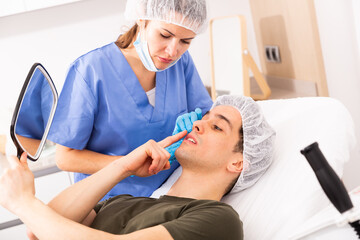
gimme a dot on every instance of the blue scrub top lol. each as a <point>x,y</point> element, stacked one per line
<point>103,108</point>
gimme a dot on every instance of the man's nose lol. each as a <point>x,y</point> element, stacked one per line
<point>198,126</point>
<point>172,48</point>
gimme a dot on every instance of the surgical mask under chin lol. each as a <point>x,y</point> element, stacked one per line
<point>143,51</point>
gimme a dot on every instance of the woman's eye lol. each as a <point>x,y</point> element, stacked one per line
<point>217,128</point>
<point>164,36</point>
<point>185,42</point>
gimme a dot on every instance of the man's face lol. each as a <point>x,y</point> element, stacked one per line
<point>211,143</point>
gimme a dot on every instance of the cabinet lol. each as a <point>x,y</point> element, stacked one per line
<point>10,7</point>
<point>47,187</point>
<point>292,26</point>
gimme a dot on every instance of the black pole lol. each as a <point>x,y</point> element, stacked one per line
<point>329,181</point>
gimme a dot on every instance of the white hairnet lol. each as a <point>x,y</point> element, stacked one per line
<point>258,138</point>
<point>190,14</point>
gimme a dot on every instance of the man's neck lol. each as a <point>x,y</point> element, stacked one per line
<point>198,186</point>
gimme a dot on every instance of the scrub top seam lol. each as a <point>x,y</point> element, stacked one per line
<point>87,85</point>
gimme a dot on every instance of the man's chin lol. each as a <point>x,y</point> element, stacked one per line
<point>181,154</point>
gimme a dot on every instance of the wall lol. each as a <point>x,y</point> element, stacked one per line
<point>339,28</point>
<point>356,14</point>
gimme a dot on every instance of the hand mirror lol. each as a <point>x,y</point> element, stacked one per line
<point>34,112</point>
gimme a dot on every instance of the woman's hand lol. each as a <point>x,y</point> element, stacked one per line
<point>151,157</point>
<point>186,121</point>
<point>16,184</point>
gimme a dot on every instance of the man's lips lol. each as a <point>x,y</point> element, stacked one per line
<point>190,138</point>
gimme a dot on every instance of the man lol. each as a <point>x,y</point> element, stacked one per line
<point>229,149</point>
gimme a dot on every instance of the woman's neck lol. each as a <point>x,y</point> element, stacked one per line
<point>145,77</point>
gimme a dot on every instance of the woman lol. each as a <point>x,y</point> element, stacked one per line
<point>117,97</point>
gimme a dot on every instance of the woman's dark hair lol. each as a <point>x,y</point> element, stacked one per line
<point>124,40</point>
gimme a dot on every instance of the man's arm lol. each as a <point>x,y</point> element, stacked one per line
<point>46,224</point>
<point>77,201</point>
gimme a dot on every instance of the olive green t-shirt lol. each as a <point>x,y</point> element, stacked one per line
<point>184,218</point>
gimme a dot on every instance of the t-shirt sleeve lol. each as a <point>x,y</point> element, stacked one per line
<point>207,222</point>
<point>197,95</point>
<point>99,206</point>
<point>74,117</point>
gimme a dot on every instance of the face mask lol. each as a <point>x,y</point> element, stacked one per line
<point>143,51</point>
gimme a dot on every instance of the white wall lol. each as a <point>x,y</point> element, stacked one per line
<point>338,26</point>
<point>356,14</point>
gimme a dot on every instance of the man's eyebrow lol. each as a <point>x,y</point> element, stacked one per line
<point>174,35</point>
<point>224,118</point>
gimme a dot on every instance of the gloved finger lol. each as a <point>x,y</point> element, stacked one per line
<point>172,154</point>
<point>180,123</point>
<point>176,130</point>
<point>177,144</point>
<point>173,147</point>
<point>198,112</point>
<point>193,118</point>
<point>188,123</point>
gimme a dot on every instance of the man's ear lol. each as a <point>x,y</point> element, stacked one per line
<point>236,164</point>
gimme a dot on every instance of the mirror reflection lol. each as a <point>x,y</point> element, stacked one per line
<point>34,115</point>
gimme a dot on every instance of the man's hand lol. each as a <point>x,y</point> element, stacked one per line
<point>151,157</point>
<point>16,184</point>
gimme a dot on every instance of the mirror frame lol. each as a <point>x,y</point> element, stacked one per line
<point>19,147</point>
